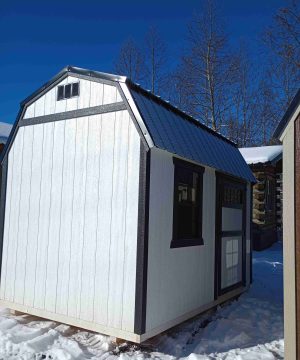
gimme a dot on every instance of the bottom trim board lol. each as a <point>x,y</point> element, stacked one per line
<point>117,332</point>
<point>187,316</point>
<point>88,325</point>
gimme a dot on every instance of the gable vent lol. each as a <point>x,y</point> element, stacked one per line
<point>67,91</point>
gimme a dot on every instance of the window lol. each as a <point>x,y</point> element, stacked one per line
<point>187,208</point>
<point>67,91</point>
<point>232,196</point>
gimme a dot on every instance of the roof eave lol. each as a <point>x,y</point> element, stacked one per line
<point>287,116</point>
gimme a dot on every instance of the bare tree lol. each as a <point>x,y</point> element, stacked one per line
<point>266,108</point>
<point>130,61</point>
<point>283,40</point>
<point>284,34</point>
<point>242,124</point>
<point>208,71</point>
<point>156,60</point>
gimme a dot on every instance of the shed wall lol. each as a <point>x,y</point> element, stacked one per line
<point>289,243</point>
<point>71,219</point>
<point>91,93</point>
<point>180,279</point>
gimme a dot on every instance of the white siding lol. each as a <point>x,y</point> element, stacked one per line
<point>179,280</point>
<point>289,243</point>
<point>91,93</point>
<point>71,219</point>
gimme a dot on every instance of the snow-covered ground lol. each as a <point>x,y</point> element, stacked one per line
<point>250,328</point>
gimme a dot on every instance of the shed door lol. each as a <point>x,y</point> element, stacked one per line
<point>230,235</point>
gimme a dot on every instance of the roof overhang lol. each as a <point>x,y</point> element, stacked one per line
<point>291,112</point>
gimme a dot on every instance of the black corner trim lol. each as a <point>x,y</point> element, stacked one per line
<point>142,242</point>
<point>4,167</point>
<point>101,109</point>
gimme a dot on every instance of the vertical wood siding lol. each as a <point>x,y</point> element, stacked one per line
<point>91,93</point>
<point>289,274</point>
<point>182,279</point>
<point>71,218</point>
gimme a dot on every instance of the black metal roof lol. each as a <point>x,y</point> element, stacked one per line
<point>179,134</point>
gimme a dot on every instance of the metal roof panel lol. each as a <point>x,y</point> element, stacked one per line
<point>173,132</point>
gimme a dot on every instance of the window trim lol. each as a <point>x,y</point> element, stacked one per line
<point>179,242</point>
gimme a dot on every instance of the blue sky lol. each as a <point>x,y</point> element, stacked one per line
<point>39,38</point>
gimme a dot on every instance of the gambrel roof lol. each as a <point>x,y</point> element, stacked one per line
<point>180,134</point>
<point>168,128</point>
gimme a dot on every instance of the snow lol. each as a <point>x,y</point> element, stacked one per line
<point>249,328</point>
<point>5,129</point>
<point>261,154</point>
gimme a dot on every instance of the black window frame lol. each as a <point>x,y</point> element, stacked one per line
<point>176,241</point>
<point>61,95</point>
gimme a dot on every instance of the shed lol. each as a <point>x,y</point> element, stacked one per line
<point>266,165</point>
<point>288,131</point>
<point>119,212</point>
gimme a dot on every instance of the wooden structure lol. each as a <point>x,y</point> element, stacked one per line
<point>120,213</point>
<point>266,165</point>
<point>288,131</point>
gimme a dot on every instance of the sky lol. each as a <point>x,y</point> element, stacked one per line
<point>39,38</point>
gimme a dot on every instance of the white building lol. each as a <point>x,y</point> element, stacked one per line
<point>120,213</point>
<point>288,131</point>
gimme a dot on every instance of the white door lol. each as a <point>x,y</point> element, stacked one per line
<point>230,234</point>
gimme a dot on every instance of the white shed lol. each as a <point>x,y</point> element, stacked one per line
<point>288,131</point>
<point>119,212</point>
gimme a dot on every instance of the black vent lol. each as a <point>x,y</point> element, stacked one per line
<point>60,92</point>
<point>75,89</point>
<point>67,91</point>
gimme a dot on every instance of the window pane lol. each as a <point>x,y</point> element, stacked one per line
<point>188,222</point>
<point>75,89</point>
<point>232,196</point>
<point>68,91</point>
<point>187,206</point>
<point>182,193</point>
<point>60,92</point>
